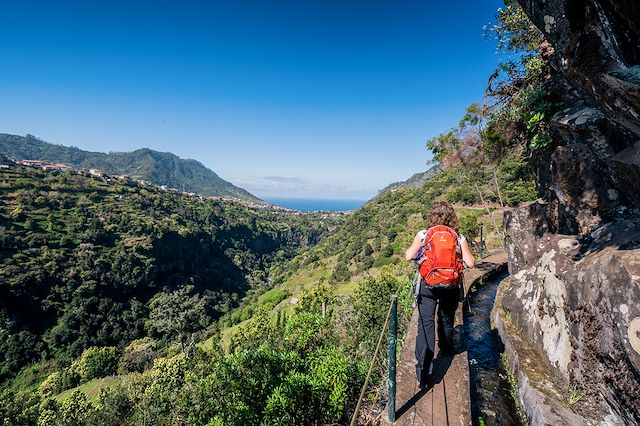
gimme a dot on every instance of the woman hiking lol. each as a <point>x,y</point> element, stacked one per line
<point>441,255</point>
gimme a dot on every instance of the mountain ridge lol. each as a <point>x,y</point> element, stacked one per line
<point>415,181</point>
<point>161,168</point>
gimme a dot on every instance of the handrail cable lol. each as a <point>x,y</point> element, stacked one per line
<point>384,328</point>
<point>375,354</point>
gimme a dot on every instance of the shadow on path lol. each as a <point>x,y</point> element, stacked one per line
<point>410,403</point>
<point>441,365</point>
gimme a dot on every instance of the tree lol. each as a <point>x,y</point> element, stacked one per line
<point>177,316</point>
<point>313,299</point>
<point>442,145</point>
<point>96,362</point>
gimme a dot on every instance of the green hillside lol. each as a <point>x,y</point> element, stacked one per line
<point>160,168</point>
<point>85,263</point>
<point>378,233</point>
<point>267,361</point>
<point>415,181</point>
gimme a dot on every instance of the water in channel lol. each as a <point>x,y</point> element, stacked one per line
<point>491,400</point>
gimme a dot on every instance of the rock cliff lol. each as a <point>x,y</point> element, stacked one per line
<point>574,255</point>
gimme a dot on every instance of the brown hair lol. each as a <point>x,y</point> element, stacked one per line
<point>442,213</point>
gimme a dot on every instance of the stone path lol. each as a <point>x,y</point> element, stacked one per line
<point>447,402</point>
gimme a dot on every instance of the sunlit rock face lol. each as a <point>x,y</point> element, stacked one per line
<point>574,255</point>
<point>577,298</point>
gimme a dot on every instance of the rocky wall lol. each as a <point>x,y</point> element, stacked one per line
<point>574,255</point>
<point>577,299</point>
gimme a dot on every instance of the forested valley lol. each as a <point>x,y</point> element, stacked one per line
<point>92,264</point>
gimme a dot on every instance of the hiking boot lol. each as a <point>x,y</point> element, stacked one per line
<point>424,382</point>
<point>447,351</point>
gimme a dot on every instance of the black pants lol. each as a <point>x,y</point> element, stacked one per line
<point>447,301</point>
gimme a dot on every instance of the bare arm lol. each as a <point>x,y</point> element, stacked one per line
<point>413,248</point>
<point>467,257</point>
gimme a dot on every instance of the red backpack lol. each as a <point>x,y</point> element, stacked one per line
<point>441,264</point>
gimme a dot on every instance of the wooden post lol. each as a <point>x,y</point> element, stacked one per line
<point>481,240</point>
<point>391,381</point>
<point>324,309</point>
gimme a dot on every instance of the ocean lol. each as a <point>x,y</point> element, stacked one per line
<point>311,204</point>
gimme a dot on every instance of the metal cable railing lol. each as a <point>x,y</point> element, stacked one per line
<point>393,309</point>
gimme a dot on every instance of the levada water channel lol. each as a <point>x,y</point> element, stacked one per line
<point>492,401</point>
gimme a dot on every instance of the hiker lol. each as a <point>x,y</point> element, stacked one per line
<point>440,254</point>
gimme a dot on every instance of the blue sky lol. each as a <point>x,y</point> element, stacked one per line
<point>321,99</point>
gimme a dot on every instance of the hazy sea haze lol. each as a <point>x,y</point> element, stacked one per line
<point>311,204</point>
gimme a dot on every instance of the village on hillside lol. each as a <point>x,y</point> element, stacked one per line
<point>6,163</point>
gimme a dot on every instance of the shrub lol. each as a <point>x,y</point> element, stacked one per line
<point>52,385</point>
<point>338,375</point>
<point>463,194</point>
<point>384,260</point>
<point>312,300</point>
<point>306,331</point>
<point>341,273</point>
<point>370,302</point>
<point>96,362</point>
<point>75,410</point>
<point>387,251</point>
<point>517,183</point>
<point>254,331</point>
<point>469,226</point>
<point>137,356</point>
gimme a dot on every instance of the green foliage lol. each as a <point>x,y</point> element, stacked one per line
<point>312,300</point>
<point>540,139</point>
<point>96,362</point>
<point>522,91</point>
<point>52,385</point>
<point>341,273</point>
<point>306,331</point>
<point>75,410</point>
<point>18,408</point>
<point>576,393</point>
<point>443,144</point>
<point>463,194</point>
<point>137,356</point>
<point>272,297</point>
<point>59,381</point>
<point>370,302</point>
<point>535,121</point>
<point>516,181</point>
<point>317,397</point>
<point>82,259</point>
<point>254,331</point>
<point>538,108</point>
<point>178,315</point>
<point>469,226</point>
<point>513,29</point>
<point>384,260</point>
